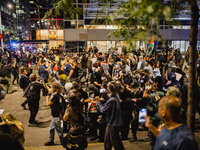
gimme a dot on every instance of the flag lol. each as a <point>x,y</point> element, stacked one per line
<point>151,45</point>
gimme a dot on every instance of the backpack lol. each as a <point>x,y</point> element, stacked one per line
<point>28,92</point>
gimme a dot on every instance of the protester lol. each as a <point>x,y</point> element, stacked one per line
<point>55,105</point>
<point>114,118</point>
<point>33,100</point>
<point>174,134</point>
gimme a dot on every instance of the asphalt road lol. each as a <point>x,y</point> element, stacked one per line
<point>35,137</point>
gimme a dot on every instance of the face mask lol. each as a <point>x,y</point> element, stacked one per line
<point>102,78</point>
<point>117,66</point>
<point>93,68</point>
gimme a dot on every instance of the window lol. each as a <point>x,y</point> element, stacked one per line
<point>43,4</point>
<point>69,24</point>
<point>42,12</point>
<point>33,34</point>
<point>35,24</point>
<point>43,24</point>
<point>34,13</point>
<point>60,24</point>
<point>52,24</point>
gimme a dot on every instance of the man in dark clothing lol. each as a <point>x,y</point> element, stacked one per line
<point>126,108</point>
<point>33,100</point>
<point>137,103</point>
<point>24,82</point>
<point>15,71</point>
<point>84,61</point>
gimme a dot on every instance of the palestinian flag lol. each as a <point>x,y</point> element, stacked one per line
<point>151,45</point>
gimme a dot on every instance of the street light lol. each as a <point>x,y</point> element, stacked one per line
<point>9,6</point>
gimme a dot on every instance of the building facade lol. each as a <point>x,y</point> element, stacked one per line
<point>23,20</point>
<point>50,29</point>
<point>9,21</point>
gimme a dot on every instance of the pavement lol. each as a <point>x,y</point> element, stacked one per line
<point>35,137</point>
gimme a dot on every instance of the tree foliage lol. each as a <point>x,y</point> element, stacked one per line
<point>140,19</point>
<point>67,6</point>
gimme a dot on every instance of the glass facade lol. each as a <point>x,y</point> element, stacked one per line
<point>49,29</point>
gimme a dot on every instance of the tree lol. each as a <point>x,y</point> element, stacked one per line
<point>194,12</point>
<point>138,20</point>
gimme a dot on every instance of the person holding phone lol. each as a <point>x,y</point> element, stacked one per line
<point>114,119</point>
<point>154,97</point>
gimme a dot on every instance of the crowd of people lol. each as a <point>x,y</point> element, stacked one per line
<point>100,94</point>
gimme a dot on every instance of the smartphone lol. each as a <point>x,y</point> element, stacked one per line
<point>142,115</point>
<point>102,90</point>
<point>147,87</point>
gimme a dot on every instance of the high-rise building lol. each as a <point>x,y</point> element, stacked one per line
<point>9,20</point>
<point>23,20</point>
<point>50,29</point>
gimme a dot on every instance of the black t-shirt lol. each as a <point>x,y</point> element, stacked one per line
<point>56,106</point>
<point>83,94</point>
<point>35,89</point>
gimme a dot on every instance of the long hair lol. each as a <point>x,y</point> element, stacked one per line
<point>56,88</point>
<point>74,102</point>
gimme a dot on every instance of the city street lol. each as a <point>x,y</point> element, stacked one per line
<point>35,137</point>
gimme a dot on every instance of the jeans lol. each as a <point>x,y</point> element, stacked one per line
<point>84,73</point>
<point>55,125</point>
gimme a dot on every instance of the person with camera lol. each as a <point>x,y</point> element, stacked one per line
<point>114,119</point>
<point>56,112</point>
<point>152,108</point>
<point>33,100</point>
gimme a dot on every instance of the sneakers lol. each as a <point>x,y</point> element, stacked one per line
<point>49,143</point>
<point>133,139</point>
<point>32,125</point>
<point>23,105</point>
